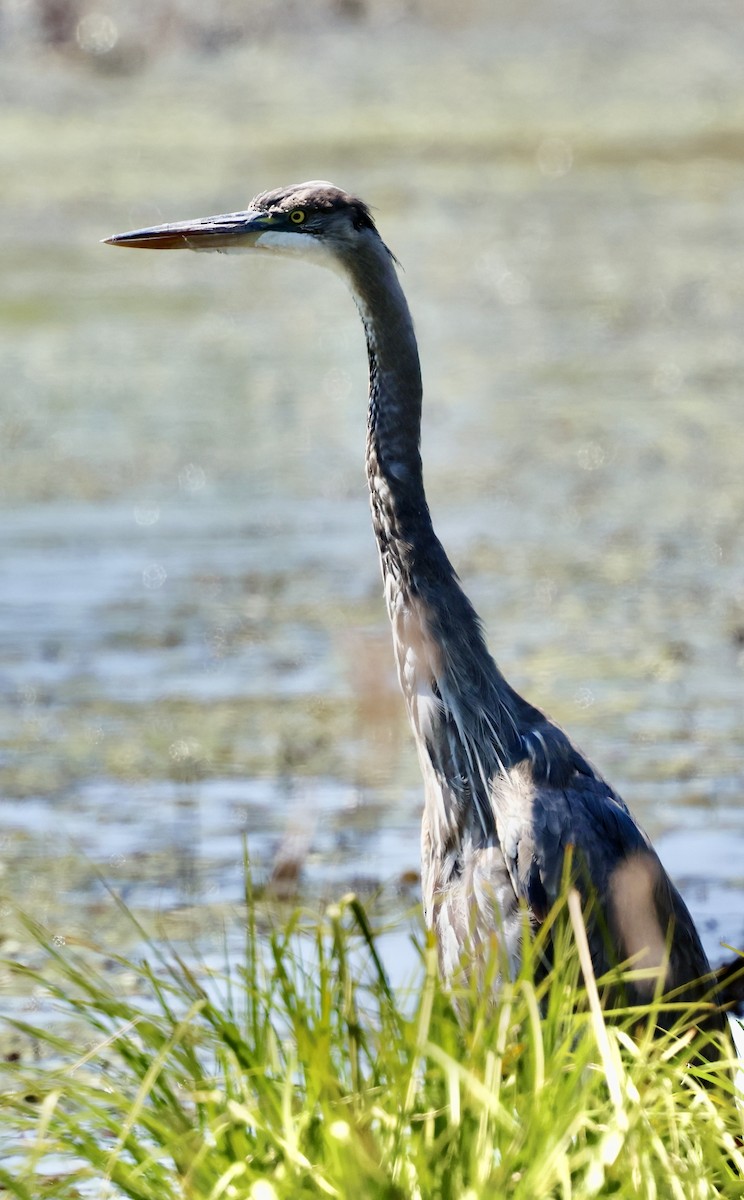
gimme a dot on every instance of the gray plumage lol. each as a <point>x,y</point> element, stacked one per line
<point>506,793</point>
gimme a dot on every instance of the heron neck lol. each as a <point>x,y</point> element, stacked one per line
<point>400,514</point>
<point>414,564</point>
<point>434,624</point>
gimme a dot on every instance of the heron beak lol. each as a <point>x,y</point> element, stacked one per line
<point>228,231</point>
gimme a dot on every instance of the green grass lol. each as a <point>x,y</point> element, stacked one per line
<point>300,1073</point>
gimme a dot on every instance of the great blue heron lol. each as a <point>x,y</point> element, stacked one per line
<point>506,793</point>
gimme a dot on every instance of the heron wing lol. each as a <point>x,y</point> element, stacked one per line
<point>537,822</point>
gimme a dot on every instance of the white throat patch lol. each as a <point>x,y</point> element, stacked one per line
<point>296,245</point>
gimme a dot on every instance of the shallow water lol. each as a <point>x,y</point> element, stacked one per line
<point>193,646</point>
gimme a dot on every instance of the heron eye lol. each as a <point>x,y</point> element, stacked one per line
<point>297,217</point>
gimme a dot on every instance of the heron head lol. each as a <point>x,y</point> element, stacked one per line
<point>307,220</point>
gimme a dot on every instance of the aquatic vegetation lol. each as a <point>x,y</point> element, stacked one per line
<point>300,1072</point>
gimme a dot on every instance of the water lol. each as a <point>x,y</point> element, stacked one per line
<point>193,647</point>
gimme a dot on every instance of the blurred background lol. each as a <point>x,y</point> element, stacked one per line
<point>193,644</point>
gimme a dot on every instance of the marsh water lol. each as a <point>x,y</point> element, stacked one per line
<point>193,645</point>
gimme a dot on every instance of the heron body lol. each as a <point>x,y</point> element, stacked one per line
<point>506,793</point>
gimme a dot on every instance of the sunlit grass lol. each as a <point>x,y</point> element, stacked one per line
<point>299,1072</point>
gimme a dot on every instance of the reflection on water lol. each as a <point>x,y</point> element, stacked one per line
<point>192,640</point>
